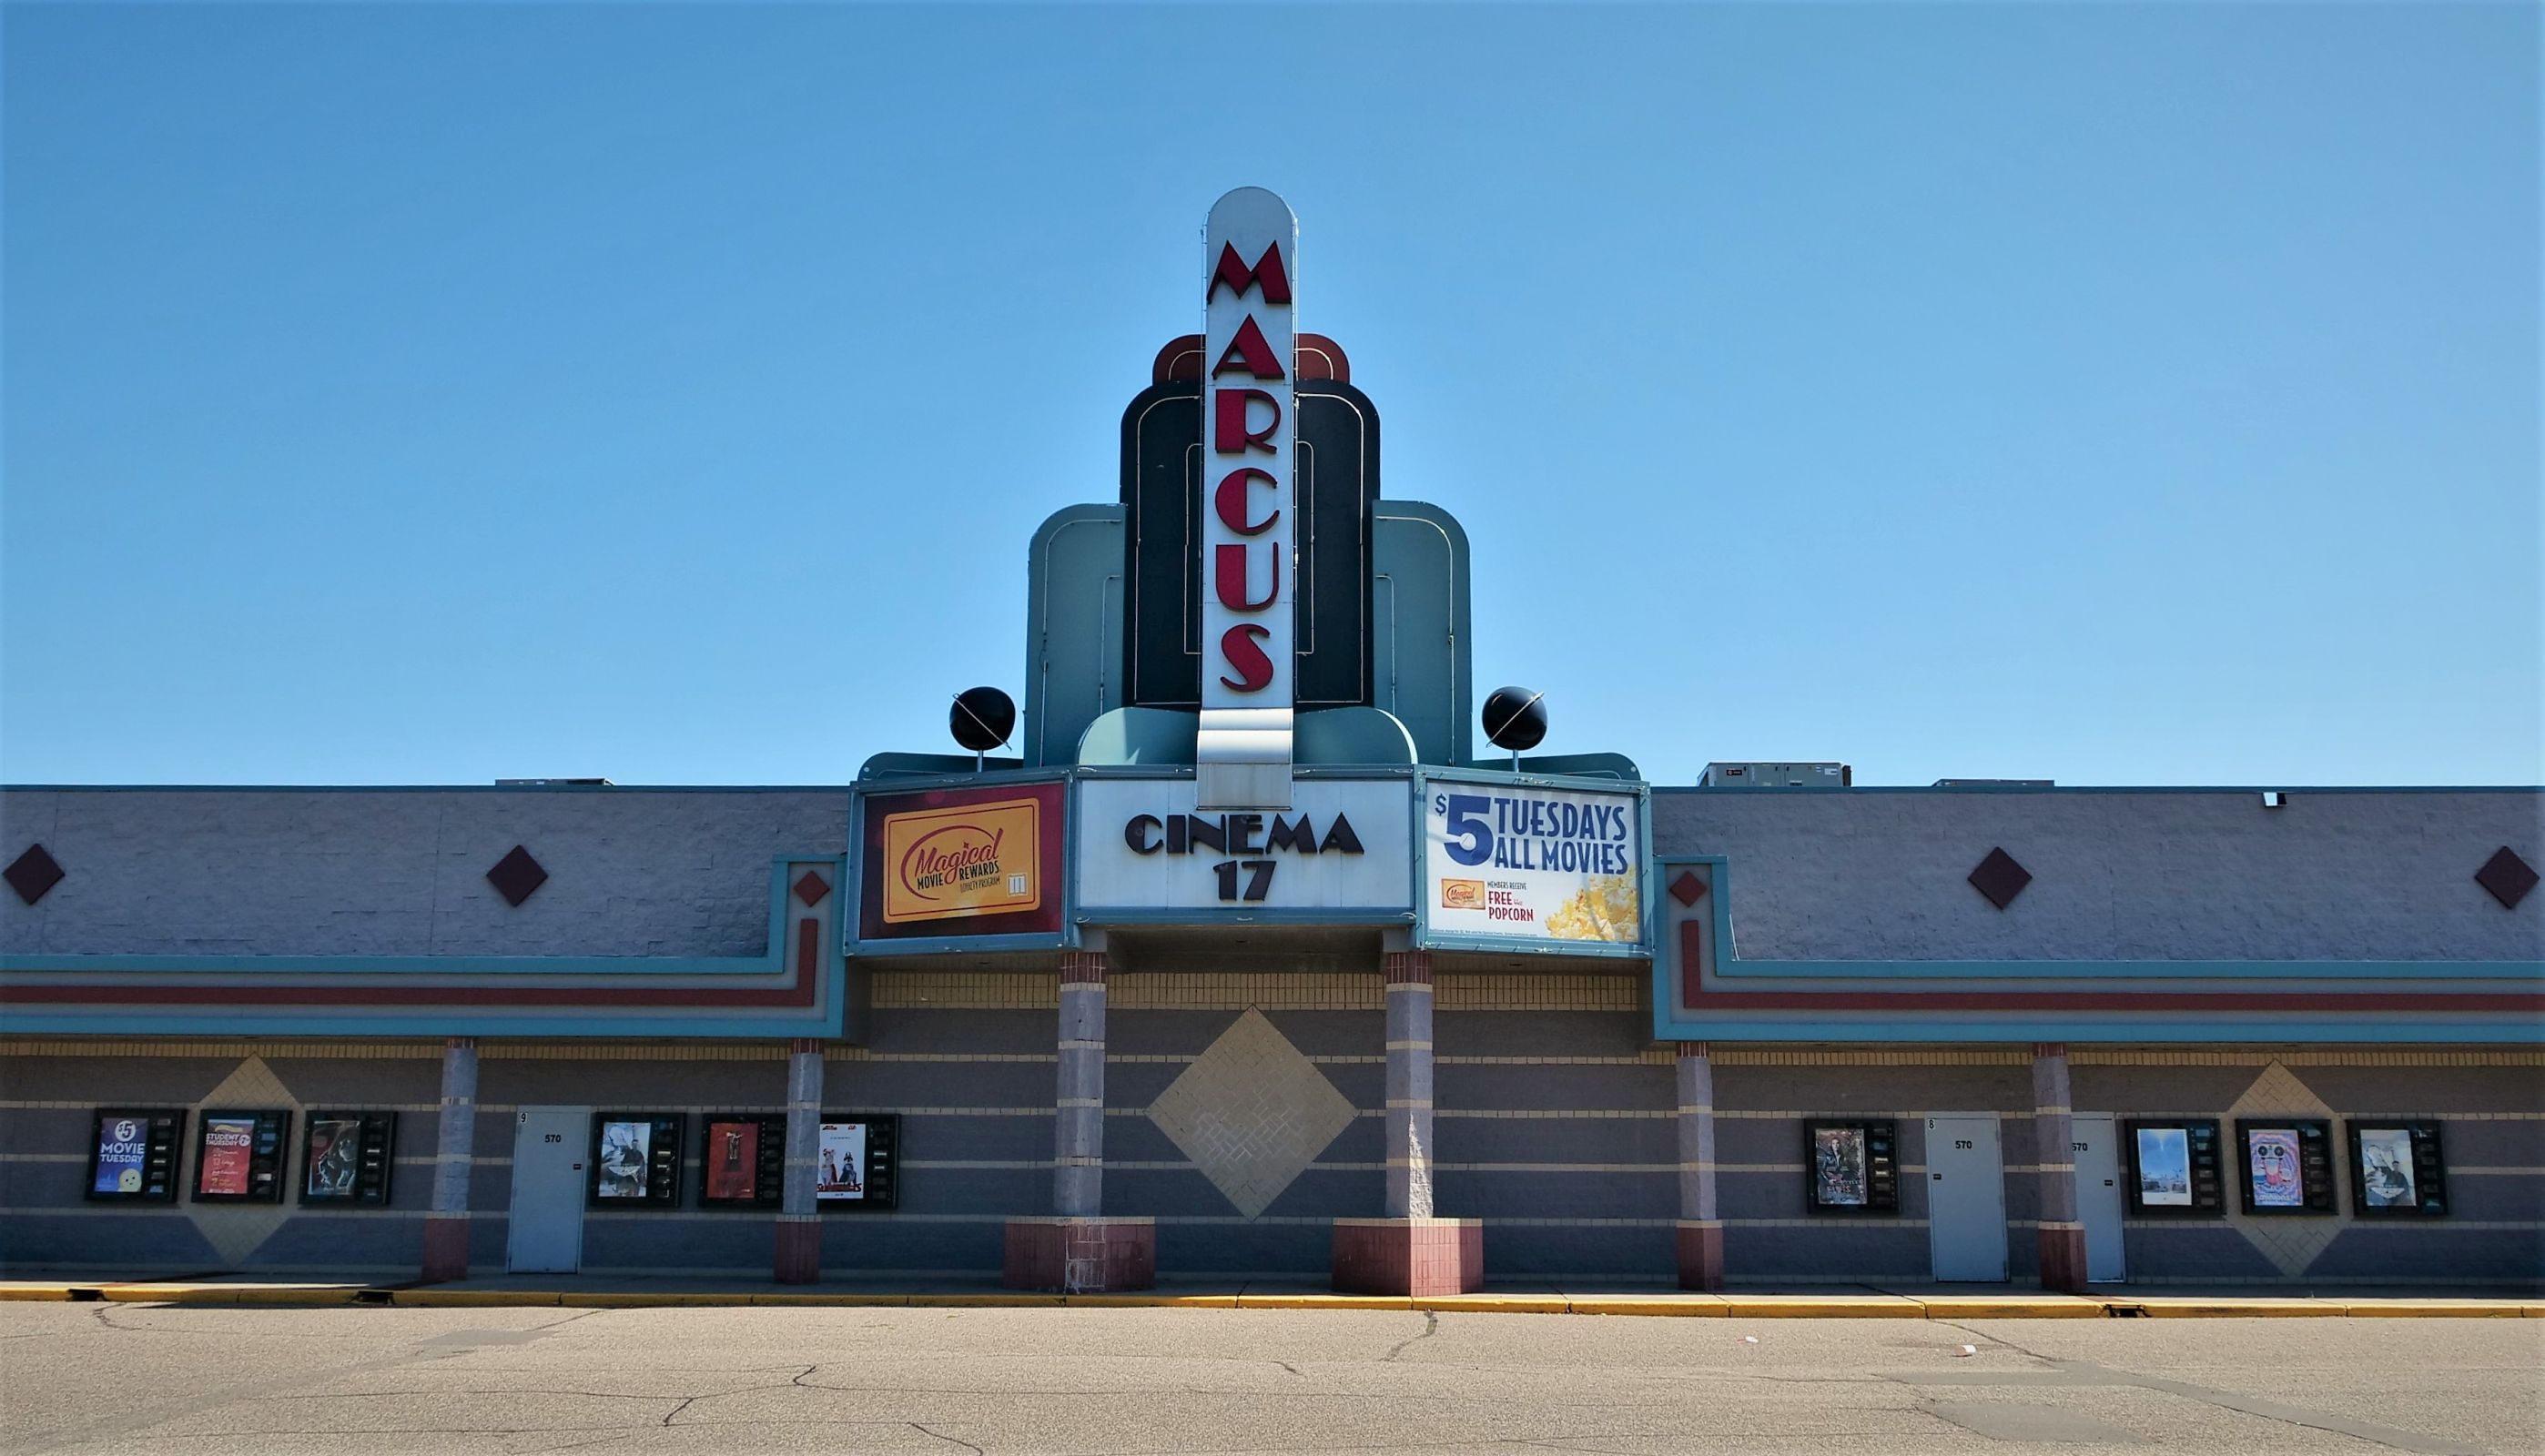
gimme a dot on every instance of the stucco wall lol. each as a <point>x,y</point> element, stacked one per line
<point>632,871</point>
<point>1871,874</point>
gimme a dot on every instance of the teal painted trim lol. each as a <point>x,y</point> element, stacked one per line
<point>2291,789</point>
<point>2087,1033</point>
<point>435,1024</point>
<point>1361,915</point>
<point>962,944</point>
<point>423,788</point>
<point>768,962</point>
<point>1565,950</point>
<point>2154,970</point>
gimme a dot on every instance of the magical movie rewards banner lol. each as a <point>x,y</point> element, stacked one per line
<point>967,862</point>
<point>1533,865</point>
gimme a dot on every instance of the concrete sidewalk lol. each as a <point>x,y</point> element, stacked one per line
<point>1916,1302</point>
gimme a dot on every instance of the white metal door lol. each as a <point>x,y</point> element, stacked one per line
<point>2098,1194</point>
<point>549,1145</point>
<point>1965,1197</point>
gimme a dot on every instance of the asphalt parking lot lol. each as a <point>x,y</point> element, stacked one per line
<point>213,1380</point>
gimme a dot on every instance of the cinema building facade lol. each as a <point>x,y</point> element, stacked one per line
<point>1248,959</point>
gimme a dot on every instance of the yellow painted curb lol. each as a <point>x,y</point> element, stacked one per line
<point>246,1294</point>
<point>1494,1304</point>
<point>2012,1309</point>
<point>2438,1309</point>
<point>630,1300</point>
<point>1020,1299</point>
<point>35,1292</point>
<point>1764,1307</point>
<point>474,1298</point>
<point>2161,1308</point>
<point>1153,1301</point>
<point>836,1301</point>
<point>1324,1302</point>
<point>1697,1306</point>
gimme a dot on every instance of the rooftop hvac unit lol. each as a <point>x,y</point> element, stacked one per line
<point>1778,775</point>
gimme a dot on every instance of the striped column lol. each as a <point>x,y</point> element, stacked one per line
<point>1409,1084</point>
<point>2063,1236</point>
<point>799,1213</point>
<point>454,1154</point>
<point>1078,1123</point>
<point>1700,1225</point>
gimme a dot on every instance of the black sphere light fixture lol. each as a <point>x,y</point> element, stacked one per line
<point>982,718</point>
<point>1514,719</point>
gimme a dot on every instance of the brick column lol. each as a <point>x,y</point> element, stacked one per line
<point>1078,1249</point>
<point>1408,1251</point>
<point>2062,1240</point>
<point>1409,1085</point>
<point>799,1213</point>
<point>1701,1226</point>
<point>454,1154</point>
<point>1077,1120</point>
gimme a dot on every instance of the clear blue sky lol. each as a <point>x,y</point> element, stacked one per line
<point>2125,394</point>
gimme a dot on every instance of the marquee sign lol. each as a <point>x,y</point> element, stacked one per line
<point>1248,567</point>
<point>1146,846</point>
<point>1533,865</point>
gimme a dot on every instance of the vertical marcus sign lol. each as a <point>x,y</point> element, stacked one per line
<point>1250,251</point>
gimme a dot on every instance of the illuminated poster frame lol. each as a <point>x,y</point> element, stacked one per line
<point>348,1156</point>
<point>635,1160</point>
<point>876,1148</point>
<point>756,1174</point>
<point>150,1154</point>
<point>240,1154</point>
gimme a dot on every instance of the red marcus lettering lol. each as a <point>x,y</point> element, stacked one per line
<point>1230,501</point>
<point>1229,434</point>
<point>1242,648</point>
<point>1229,574</point>
<point>1237,278</point>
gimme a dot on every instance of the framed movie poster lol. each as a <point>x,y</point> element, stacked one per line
<point>2288,1165</point>
<point>854,1167</point>
<point>239,1157</point>
<point>637,1159</point>
<point>346,1157</point>
<point>132,1154</point>
<point>1851,1166</point>
<point>2397,1171</point>
<point>742,1161</point>
<point>2174,1169</point>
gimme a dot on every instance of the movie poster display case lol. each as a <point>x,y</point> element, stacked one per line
<point>2287,1164</point>
<point>2396,1168</point>
<point>132,1154</point>
<point>2175,1169</point>
<point>637,1159</point>
<point>240,1155</point>
<point>854,1172</point>
<point>741,1159</point>
<point>346,1158</point>
<point>1851,1165</point>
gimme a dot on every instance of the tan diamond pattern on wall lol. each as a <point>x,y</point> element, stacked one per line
<point>234,1230</point>
<point>1252,1112</point>
<point>2289,1241</point>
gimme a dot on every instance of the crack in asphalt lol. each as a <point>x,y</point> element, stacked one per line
<point>943,1436</point>
<point>1431,1327</point>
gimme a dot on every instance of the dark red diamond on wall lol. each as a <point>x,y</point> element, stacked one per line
<point>517,876</point>
<point>2504,874</point>
<point>33,873</point>
<point>1999,878</point>
<point>811,888</point>
<point>1687,889</point>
